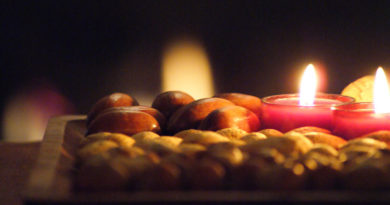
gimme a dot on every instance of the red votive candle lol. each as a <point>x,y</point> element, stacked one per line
<point>357,119</point>
<point>283,112</point>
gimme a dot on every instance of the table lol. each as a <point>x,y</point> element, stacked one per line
<point>16,162</point>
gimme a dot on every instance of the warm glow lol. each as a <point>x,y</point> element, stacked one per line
<point>26,114</point>
<point>186,67</point>
<point>308,86</point>
<point>381,92</point>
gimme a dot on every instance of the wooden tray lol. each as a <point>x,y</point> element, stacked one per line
<point>50,180</point>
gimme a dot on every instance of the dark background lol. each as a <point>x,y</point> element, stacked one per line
<point>84,48</point>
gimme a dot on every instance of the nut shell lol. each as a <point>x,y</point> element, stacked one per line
<point>323,149</point>
<point>207,174</point>
<point>361,89</point>
<point>120,139</point>
<point>226,153</point>
<point>164,176</point>
<point>112,100</point>
<point>95,148</point>
<point>102,174</point>
<point>307,129</point>
<point>324,138</point>
<point>382,135</point>
<point>365,142</point>
<point>126,122</point>
<point>253,137</point>
<point>231,117</point>
<point>232,133</point>
<point>149,110</point>
<point>190,115</point>
<point>292,145</point>
<point>249,102</point>
<point>205,138</point>
<point>271,132</point>
<point>168,102</point>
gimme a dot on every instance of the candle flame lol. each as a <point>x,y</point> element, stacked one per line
<point>381,92</point>
<point>308,86</point>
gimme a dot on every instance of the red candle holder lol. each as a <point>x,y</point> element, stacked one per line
<point>283,112</point>
<point>357,119</point>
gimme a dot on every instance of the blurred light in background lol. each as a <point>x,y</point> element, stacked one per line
<point>26,114</point>
<point>185,67</point>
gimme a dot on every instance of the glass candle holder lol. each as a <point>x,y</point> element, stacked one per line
<point>357,119</point>
<point>283,112</point>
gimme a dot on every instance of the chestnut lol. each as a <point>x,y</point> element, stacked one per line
<point>231,116</point>
<point>191,115</point>
<point>151,111</point>
<point>249,102</point>
<point>112,100</point>
<point>168,102</point>
<point>126,122</point>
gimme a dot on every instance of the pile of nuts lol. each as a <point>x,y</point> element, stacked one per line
<point>215,143</point>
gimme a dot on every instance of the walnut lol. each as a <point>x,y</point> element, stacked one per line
<point>324,138</point>
<point>183,134</point>
<point>289,146</point>
<point>232,133</point>
<point>144,139</point>
<point>306,129</point>
<point>191,149</point>
<point>226,153</point>
<point>205,138</point>
<point>323,149</point>
<point>253,137</point>
<point>366,142</point>
<point>95,148</point>
<point>120,139</point>
<point>382,135</point>
<point>271,132</point>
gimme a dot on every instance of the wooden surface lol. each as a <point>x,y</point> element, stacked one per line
<point>16,161</point>
<point>50,178</point>
<point>50,181</point>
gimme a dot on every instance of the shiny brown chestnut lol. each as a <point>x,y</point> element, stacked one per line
<point>112,100</point>
<point>126,122</point>
<point>151,111</point>
<point>190,115</point>
<point>168,102</point>
<point>250,102</point>
<point>231,116</point>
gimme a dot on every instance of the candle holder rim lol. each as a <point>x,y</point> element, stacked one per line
<point>341,108</point>
<point>351,100</point>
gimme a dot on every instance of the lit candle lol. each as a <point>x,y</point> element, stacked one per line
<point>356,119</point>
<point>308,108</point>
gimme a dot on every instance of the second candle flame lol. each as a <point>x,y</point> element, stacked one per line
<point>308,86</point>
<point>381,92</point>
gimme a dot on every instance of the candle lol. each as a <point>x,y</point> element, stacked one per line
<point>356,119</point>
<point>288,111</point>
<point>284,113</point>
